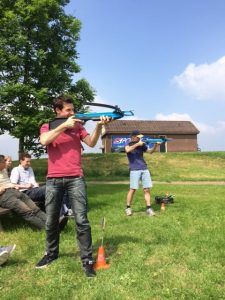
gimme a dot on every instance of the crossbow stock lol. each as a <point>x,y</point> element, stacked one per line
<point>117,113</point>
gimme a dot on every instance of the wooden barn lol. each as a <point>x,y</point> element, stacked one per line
<point>183,134</point>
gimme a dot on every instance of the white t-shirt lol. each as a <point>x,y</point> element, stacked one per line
<point>22,176</point>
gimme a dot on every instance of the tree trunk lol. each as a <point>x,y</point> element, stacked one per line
<point>21,146</point>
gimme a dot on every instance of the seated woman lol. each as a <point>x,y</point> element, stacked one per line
<point>8,160</point>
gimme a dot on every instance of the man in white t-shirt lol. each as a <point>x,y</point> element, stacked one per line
<point>23,176</point>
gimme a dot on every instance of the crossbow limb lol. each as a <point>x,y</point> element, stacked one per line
<point>117,113</point>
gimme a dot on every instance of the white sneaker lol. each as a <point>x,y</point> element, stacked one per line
<point>8,249</point>
<point>128,211</point>
<point>70,213</point>
<point>4,255</point>
<point>150,212</point>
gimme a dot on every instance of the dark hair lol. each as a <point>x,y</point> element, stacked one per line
<point>24,155</point>
<point>61,100</point>
<point>2,158</point>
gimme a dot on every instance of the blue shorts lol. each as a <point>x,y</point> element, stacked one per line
<point>140,175</point>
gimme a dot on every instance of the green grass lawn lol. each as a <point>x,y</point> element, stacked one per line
<point>178,254</point>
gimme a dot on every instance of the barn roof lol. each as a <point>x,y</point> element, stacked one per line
<point>150,127</point>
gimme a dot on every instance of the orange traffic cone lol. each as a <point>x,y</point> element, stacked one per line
<point>101,262</point>
<point>163,207</point>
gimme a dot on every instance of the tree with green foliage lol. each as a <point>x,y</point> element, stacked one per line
<point>37,62</point>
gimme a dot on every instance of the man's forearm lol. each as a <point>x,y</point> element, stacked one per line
<point>8,186</point>
<point>131,148</point>
<point>95,135</point>
<point>153,148</point>
<point>48,137</point>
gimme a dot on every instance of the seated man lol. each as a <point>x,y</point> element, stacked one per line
<point>5,252</point>
<point>23,176</point>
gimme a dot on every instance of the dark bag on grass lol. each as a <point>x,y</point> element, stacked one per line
<point>164,199</point>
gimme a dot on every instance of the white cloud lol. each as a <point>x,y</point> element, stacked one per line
<point>210,137</point>
<point>173,117</point>
<point>205,81</point>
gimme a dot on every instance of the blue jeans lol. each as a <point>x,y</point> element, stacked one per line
<point>76,189</point>
<point>37,194</point>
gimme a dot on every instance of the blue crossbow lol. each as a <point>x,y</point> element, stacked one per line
<point>117,113</point>
<point>155,140</point>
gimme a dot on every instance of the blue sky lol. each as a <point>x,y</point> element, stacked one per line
<point>164,59</point>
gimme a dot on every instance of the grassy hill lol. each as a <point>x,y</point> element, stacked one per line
<point>194,166</point>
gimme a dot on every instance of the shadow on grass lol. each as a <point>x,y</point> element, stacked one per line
<point>97,205</point>
<point>13,262</point>
<point>72,254</point>
<point>112,243</point>
<point>14,222</point>
<point>105,189</point>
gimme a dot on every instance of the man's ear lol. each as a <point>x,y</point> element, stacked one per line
<point>57,110</point>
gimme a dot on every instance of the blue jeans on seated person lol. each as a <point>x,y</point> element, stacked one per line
<point>23,206</point>
<point>76,188</point>
<point>37,194</point>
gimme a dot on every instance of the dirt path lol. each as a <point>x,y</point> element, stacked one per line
<point>164,182</point>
